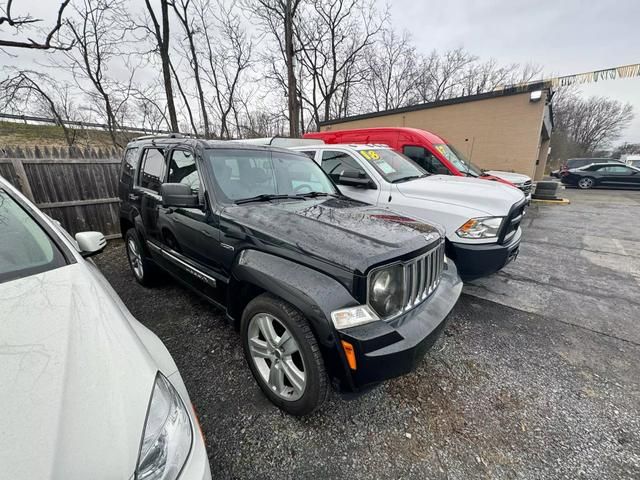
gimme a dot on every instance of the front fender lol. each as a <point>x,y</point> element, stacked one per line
<point>315,294</point>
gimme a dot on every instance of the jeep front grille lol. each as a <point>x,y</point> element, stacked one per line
<point>422,276</point>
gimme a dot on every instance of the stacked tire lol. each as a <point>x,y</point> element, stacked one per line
<point>546,191</point>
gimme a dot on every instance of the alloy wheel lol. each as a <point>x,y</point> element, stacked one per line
<point>135,259</point>
<point>585,183</point>
<point>277,357</point>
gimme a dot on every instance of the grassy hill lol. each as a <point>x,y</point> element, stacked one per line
<point>26,135</point>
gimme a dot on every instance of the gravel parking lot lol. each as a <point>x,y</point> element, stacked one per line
<point>506,393</point>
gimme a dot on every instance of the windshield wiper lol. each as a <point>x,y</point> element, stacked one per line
<point>265,197</point>
<point>410,177</point>
<point>313,194</point>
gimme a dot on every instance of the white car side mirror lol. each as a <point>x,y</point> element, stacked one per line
<point>90,243</point>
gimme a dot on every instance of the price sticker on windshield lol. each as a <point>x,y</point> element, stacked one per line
<point>442,150</point>
<point>370,154</point>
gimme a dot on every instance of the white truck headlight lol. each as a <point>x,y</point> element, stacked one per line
<point>486,227</point>
<point>167,435</point>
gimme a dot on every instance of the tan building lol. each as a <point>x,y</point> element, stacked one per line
<point>505,129</point>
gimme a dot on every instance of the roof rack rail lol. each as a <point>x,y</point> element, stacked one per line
<point>153,137</point>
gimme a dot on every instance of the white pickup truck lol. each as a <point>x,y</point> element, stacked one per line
<point>481,219</point>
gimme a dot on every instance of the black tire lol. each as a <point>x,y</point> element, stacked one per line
<point>316,388</point>
<point>585,183</point>
<point>149,273</point>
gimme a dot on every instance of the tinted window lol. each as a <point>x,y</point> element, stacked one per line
<point>130,162</point>
<point>182,169</point>
<point>617,170</point>
<point>25,248</point>
<point>309,153</point>
<point>153,169</point>
<point>425,159</point>
<point>578,163</point>
<point>241,174</point>
<point>335,163</point>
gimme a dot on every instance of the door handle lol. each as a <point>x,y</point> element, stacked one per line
<point>133,196</point>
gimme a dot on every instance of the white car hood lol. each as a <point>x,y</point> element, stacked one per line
<point>76,379</point>
<point>512,177</point>
<point>490,198</point>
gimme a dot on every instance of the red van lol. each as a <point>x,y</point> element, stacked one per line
<point>428,150</point>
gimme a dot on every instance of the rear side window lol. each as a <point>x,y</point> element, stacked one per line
<point>618,170</point>
<point>425,159</point>
<point>153,169</point>
<point>25,248</point>
<point>578,163</point>
<point>130,163</point>
<point>334,163</point>
<point>182,169</point>
<point>309,153</point>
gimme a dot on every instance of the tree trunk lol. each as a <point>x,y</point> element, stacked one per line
<point>166,67</point>
<point>292,90</point>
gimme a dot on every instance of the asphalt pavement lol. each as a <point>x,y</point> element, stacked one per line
<point>549,389</point>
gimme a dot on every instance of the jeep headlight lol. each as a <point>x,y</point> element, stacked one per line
<point>167,435</point>
<point>386,290</point>
<point>486,227</point>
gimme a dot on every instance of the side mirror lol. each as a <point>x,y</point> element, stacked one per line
<point>90,243</point>
<point>353,178</point>
<point>178,195</point>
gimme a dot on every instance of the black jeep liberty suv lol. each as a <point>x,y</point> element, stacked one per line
<point>324,289</point>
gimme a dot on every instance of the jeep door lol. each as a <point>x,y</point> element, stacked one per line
<point>335,163</point>
<point>190,235</point>
<point>150,177</point>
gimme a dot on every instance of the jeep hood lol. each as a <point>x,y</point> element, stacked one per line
<point>488,198</point>
<point>76,380</point>
<point>343,232</point>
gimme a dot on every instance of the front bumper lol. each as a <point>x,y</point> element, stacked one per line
<point>388,349</point>
<point>475,261</point>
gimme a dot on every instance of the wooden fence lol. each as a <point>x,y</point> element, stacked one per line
<point>79,190</point>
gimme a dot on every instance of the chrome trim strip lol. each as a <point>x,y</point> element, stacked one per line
<point>171,256</point>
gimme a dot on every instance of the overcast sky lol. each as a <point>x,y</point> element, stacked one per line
<point>564,36</point>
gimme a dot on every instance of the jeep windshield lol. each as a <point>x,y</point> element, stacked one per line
<point>392,166</point>
<point>244,175</point>
<point>459,160</point>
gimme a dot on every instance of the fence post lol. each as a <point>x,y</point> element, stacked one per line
<point>21,173</point>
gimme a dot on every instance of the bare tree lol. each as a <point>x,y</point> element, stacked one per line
<point>440,76</point>
<point>626,149</point>
<point>161,35</point>
<point>191,30</point>
<point>18,22</point>
<point>97,34</point>
<point>278,18</point>
<point>26,89</point>
<point>333,38</point>
<point>151,110</point>
<point>590,123</point>
<point>228,54</point>
<point>391,72</point>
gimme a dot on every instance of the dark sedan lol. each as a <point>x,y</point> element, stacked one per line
<point>579,163</point>
<point>603,175</point>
